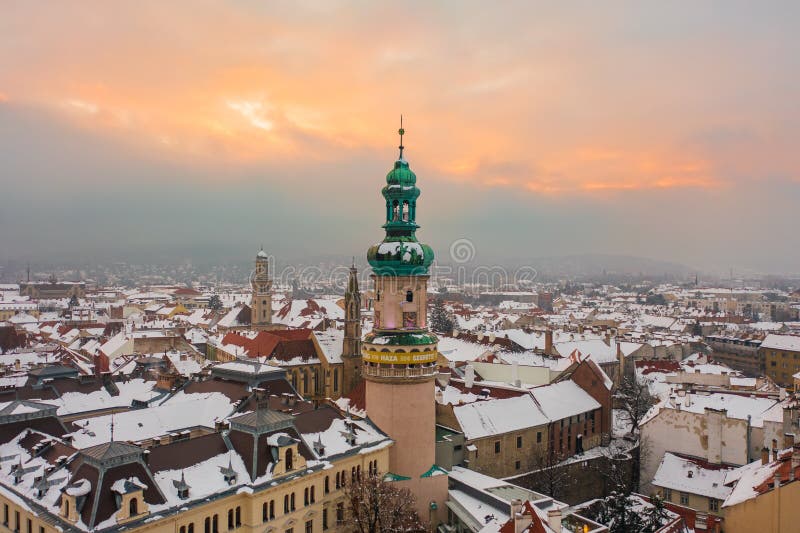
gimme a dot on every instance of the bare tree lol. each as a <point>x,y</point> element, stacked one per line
<point>634,400</point>
<point>377,506</point>
<point>551,476</point>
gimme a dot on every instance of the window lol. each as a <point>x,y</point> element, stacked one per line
<point>325,518</point>
<point>16,520</point>
<point>182,529</point>
<point>519,442</point>
<point>339,513</point>
<point>5,512</point>
<point>327,486</point>
<point>497,446</point>
<point>264,512</point>
<point>215,524</point>
<point>230,518</point>
<point>207,528</point>
<point>238,516</point>
<point>684,498</point>
<point>286,503</point>
<point>313,498</point>
<point>289,460</point>
<point>538,436</point>
<point>713,505</point>
<point>516,465</point>
<point>338,483</point>
<point>133,506</point>
<point>310,526</point>
<point>668,495</point>
<point>305,496</point>
<point>292,500</point>
<point>335,379</point>
<point>409,296</point>
<point>29,526</point>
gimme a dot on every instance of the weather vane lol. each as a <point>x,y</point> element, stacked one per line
<point>401,131</point>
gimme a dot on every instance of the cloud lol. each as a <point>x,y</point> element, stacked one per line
<point>534,103</point>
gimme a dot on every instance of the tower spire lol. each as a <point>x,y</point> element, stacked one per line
<point>401,131</point>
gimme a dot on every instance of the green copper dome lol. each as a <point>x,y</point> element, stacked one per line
<point>400,253</point>
<point>401,175</point>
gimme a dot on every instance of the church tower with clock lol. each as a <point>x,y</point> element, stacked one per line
<point>399,354</point>
<point>261,300</point>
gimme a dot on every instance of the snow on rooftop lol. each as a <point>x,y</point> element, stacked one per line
<point>564,399</point>
<point>781,342</point>
<point>692,476</point>
<point>495,417</point>
<point>140,424</point>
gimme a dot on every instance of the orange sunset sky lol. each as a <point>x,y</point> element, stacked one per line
<point>206,128</point>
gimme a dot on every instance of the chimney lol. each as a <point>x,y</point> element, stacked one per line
<point>795,457</point>
<point>788,440</point>
<point>777,480</point>
<point>548,341</point>
<point>515,374</point>
<point>764,455</point>
<point>469,376</point>
<point>554,519</point>
<point>774,454</point>
<point>521,522</point>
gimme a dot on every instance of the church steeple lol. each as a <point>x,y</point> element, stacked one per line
<point>351,346</point>
<point>261,300</point>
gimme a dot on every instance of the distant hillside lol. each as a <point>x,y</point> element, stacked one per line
<point>573,266</point>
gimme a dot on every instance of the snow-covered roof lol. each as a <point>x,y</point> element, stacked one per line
<point>781,342</point>
<point>495,417</point>
<point>693,476</point>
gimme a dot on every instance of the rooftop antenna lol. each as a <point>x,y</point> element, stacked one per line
<point>401,131</point>
<point>112,426</point>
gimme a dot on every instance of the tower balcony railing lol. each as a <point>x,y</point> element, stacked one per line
<point>399,372</point>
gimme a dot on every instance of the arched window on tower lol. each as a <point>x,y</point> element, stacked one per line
<point>404,211</point>
<point>409,296</point>
<point>395,209</point>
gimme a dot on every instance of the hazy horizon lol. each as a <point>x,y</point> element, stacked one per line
<point>660,131</point>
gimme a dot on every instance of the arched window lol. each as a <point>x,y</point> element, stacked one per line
<point>338,483</point>
<point>265,512</point>
<point>404,211</point>
<point>306,383</point>
<point>207,527</point>
<point>215,524</point>
<point>409,296</point>
<point>395,214</point>
<point>230,518</point>
<point>66,507</point>
<point>289,459</point>
<point>133,507</point>
<point>335,379</point>
<point>292,500</point>
<point>313,498</point>
<point>286,503</point>
<point>306,499</point>
<point>327,485</point>
<point>191,528</point>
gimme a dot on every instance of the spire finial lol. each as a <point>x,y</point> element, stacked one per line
<point>401,131</point>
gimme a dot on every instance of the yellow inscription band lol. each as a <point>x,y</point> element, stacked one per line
<point>414,358</point>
